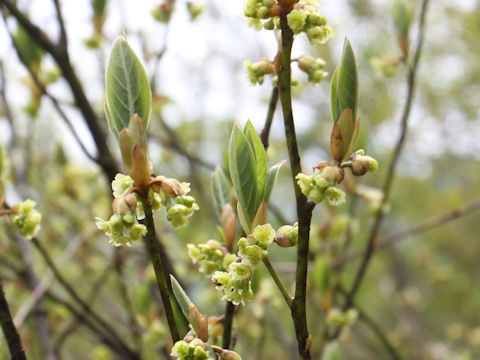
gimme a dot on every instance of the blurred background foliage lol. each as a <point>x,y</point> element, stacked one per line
<point>422,292</point>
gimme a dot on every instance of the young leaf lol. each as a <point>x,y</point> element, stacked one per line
<point>347,85</point>
<point>260,158</point>
<point>182,298</point>
<point>333,95</point>
<point>127,88</point>
<point>220,190</point>
<point>243,173</point>
<point>271,178</point>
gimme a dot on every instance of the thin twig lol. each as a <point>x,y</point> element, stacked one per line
<point>85,307</point>
<point>278,281</point>
<point>9,329</point>
<point>368,321</point>
<point>228,324</point>
<point>61,58</point>
<point>63,33</point>
<point>372,238</point>
<point>272,105</point>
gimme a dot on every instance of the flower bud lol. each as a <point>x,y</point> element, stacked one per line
<point>362,163</point>
<point>333,173</point>
<point>287,236</point>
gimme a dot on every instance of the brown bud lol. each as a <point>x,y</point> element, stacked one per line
<point>321,165</point>
<point>140,171</point>
<point>260,216</point>
<point>229,225</point>
<point>360,164</point>
<point>119,206</point>
<point>281,237</point>
<point>199,322</point>
<point>131,201</point>
<point>172,187</point>
<point>333,173</point>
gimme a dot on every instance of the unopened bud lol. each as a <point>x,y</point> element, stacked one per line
<point>333,173</point>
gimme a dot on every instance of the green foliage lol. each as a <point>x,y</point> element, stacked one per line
<point>220,190</point>
<point>127,87</point>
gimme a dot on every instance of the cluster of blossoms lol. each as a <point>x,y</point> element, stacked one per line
<point>233,273</point>
<point>123,227</point>
<point>338,318</point>
<point>210,256</point>
<point>305,18</point>
<point>313,67</point>
<point>302,17</point>
<point>319,186</point>
<point>27,218</point>
<point>196,349</point>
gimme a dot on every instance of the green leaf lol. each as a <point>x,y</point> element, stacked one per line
<point>333,95</point>
<point>127,87</point>
<point>402,18</point>
<point>271,178</point>
<point>347,130</point>
<point>260,158</point>
<point>32,53</point>
<point>347,85</point>
<point>99,6</point>
<point>181,297</point>
<point>220,190</point>
<point>243,173</point>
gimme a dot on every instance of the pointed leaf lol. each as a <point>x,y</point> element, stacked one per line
<point>347,86</point>
<point>260,158</point>
<point>333,95</point>
<point>246,226</point>
<point>271,178</point>
<point>220,190</point>
<point>137,125</point>
<point>243,173</point>
<point>182,298</point>
<point>127,88</point>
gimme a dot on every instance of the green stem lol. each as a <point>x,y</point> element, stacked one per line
<point>304,208</point>
<point>9,330</point>
<point>279,282</point>
<point>154,251</point>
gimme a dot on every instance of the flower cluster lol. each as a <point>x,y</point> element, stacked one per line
<point>122,228</point>
<point>27,218</point>
<point>338,318</point>
<point>319,186</point>
<point>313,67</point>
<point>235,282</point>
<point>305,18</point>
<point>209,256</point>
<point>256,72</point>
<point>258,10</point>
<point>195,350</point>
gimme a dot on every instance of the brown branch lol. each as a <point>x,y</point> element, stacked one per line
<point>372,238</point>
<point>61,58</point>
<point>272,105</point>
<point>63,33</point>
<point>9,330</point>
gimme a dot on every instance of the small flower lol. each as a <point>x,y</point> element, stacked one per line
<point>189,351</point>
<point>335,196</point>
<point>296,20</point>
<point>235,291</point>
<point>27,218</point>
<point>251,252</point>
<point>320,34</point>
<point>120,184</point>
<point>240,270</point>
<point>256,72</point>
<point>209,256</point>
<point>263,235</point>
<point>122,229</point>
